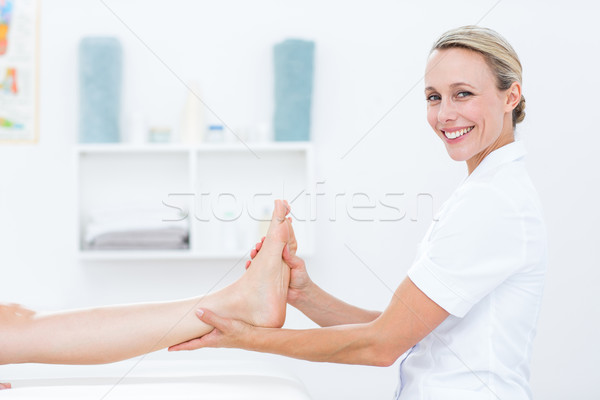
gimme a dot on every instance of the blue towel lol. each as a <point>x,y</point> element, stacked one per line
<point>100,64</point>
<point>293,89</point>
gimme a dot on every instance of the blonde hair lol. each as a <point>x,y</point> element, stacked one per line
<point>497,52</point>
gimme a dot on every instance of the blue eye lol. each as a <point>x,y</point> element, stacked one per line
<point>465,94</point>
<point>433,97</point>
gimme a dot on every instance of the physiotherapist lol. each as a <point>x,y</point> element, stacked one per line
<point>465,317</point>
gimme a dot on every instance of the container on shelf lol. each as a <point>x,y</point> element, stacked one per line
<point>192,127</point>
<point>159,134</point>
<point>215,134</point>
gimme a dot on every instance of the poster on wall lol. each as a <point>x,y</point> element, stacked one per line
<point>19,22</point>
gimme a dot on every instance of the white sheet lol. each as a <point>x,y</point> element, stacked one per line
<point>172,380</point>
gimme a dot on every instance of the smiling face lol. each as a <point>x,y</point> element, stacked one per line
<point>464,106</point>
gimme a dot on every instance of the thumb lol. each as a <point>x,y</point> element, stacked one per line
<point>210,318</point>
<point>286,252</point>
<point>293,261</point>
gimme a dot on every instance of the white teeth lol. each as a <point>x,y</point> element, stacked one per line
<point>455,134</point>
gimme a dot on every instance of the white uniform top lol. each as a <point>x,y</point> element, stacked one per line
<point>483,260</point>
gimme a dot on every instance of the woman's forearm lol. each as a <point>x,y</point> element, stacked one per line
<point>327,310</point>
<point>102,335</point>
<point>347,344</point>
<point>409,317</point>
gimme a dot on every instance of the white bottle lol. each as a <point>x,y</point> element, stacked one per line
<point>192,120</point>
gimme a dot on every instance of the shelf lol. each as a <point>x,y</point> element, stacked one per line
<point>143,255</point>
<point>206,182</point>
<point>178,147</point>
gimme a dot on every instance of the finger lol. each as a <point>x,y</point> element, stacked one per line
<point>211,339</point>
<point>189,345</point>
<point>210,318</point>
<point>248,264</point>
<point>256,249</point>
<point>286,252</point>
<point>292,240</point>
<point>26,312</point>
<point>20,310</point>
<point>288,257</point>
<point>293,261</point>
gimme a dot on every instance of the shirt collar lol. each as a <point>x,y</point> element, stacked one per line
<point>510,152</point>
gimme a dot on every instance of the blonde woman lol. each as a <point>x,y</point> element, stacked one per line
<point>465,317</point>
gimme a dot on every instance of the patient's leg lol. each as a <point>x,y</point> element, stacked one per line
<point>108,334</point>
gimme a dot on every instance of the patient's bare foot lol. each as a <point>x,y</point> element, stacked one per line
<point>262,290</point>
<point>292,244</point>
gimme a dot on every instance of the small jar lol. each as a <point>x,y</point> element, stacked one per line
<point>215,134</point>
<point>159,134</point>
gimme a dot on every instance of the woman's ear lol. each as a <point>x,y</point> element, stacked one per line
<point>513,96</point>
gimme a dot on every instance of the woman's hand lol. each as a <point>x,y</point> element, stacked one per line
<point>227,333</point>
<point>300,282</point>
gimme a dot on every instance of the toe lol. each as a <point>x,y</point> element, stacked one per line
<point>278,229</point>
<point>279,212</point>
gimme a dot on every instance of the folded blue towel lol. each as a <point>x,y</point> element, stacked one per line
<point>100,64</point>
<point>293,89</point>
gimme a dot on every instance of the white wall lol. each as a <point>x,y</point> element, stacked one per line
<point>369,57</point>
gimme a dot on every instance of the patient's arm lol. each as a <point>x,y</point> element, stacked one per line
<point>109,334</point>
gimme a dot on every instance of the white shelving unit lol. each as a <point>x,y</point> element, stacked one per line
<point>227,190</point>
